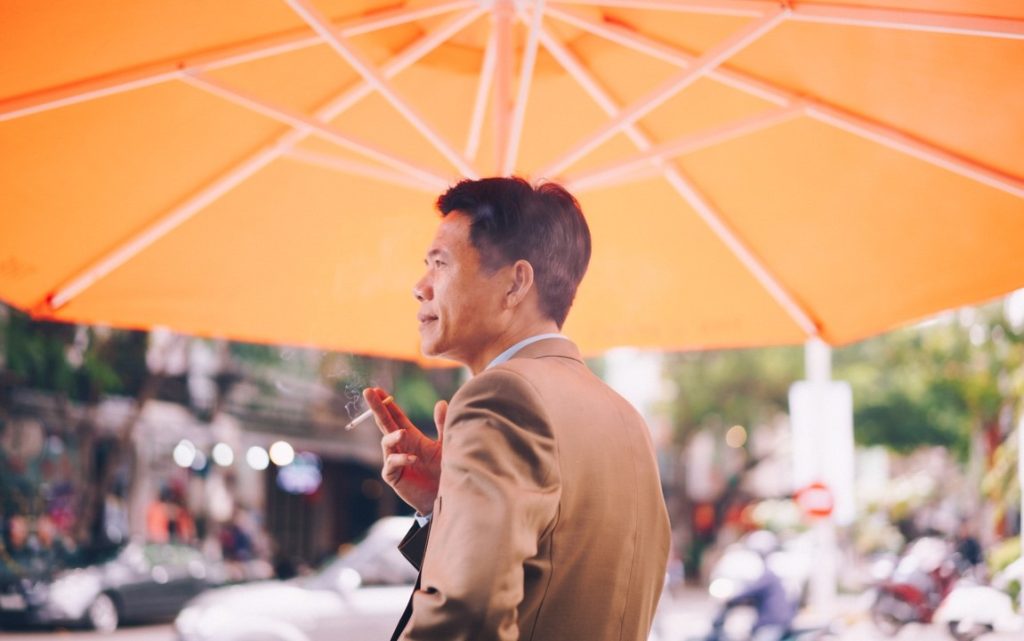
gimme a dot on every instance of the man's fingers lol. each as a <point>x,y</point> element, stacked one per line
<point>374,397</point>
<point>398,416</point>
<point>440,412</point>
<point>391,441</point>
<point>395,464</point>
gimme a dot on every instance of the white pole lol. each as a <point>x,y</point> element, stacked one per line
<point>822,596</point>
<point>817,361</point>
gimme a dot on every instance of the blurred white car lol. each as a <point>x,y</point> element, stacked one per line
<point>358,596</point>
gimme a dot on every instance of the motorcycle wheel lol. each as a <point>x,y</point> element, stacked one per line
<point>884,614</point>
<point>970,634</point>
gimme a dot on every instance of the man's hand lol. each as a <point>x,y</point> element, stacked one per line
<point>412,461</point>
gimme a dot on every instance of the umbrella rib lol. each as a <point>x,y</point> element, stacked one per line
<point>911,146</point>
<point>125,252</point>
<point>525,82</point>
<point>316,20</point>
<point>908,20</point>
<point>242,171</point>
<point>747,8</point>
<point>404,59</point>
<point>684,145</point>
<point>860,16</point>
<point>816,108</point>
<point>349,166</point>
<point>229,181</point>
<point>701,66</point>
<point>156,73</point>
<point>483,89</point>
<point>312,125</point>
<point>396,17</point>
<point>685,188</point>
<point>502,26</point>
<point>666,53</point>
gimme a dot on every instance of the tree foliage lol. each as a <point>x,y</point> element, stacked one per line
<point>746,387</point>
<point>79,363</point>
<point>926,385</point>
<point>932,385</point>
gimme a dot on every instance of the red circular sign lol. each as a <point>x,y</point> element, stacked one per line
<point>815,499</point>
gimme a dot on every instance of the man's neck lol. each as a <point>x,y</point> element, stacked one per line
<point>508,339</point>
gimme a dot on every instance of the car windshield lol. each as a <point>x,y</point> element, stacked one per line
<point>375,559</point>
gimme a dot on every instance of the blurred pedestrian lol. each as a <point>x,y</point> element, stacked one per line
<point>168,520</point>
<point>765,594</point>
<point>968,549</point>
<point>542,517</point>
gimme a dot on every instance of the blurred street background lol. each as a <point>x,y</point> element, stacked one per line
<point>234,453</point>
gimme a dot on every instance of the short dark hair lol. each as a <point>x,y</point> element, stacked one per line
<point>512,220</point>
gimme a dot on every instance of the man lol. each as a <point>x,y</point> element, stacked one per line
<point>541,517</point>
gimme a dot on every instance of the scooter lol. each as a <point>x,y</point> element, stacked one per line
<point>922,578</point>
<point>739,566</point>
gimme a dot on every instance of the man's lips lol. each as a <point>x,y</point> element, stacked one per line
<point>425,318</point>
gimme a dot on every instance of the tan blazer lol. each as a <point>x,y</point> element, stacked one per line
<point>549,524</point>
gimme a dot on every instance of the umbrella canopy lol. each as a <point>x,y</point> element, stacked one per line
<point>754,172</point>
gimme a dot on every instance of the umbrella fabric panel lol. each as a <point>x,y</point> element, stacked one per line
<point>274,78</point>
<point>54,43</point>
<point>857,235</point>
<point>247,266</point>
<point>959,92</point>
<point>78,181</point>
<point>1007,8</point>
<point>891,237</point>
<point>659,277</point>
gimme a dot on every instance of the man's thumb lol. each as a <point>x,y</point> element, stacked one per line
<point>440,412</point>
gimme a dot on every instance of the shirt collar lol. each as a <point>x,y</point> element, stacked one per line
<point>512,351</point>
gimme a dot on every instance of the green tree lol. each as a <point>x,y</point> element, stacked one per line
<point>729,387</point>
<point>933,385</point>
<point>77,365</point>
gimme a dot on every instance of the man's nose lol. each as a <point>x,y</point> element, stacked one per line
<point>422,290</point>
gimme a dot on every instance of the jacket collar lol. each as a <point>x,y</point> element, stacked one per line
<point>558,347</point>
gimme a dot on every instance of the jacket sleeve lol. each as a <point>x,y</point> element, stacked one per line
<point>499,493</point>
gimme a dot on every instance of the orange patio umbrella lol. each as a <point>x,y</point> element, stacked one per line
<point>754,172</point>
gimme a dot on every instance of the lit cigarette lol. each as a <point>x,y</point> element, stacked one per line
<point>366,416</point>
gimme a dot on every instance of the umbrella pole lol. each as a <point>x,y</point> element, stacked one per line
<point>823,579</point>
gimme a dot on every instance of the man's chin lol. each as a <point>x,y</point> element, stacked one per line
<point>430,349</point>
<point>434,350</point>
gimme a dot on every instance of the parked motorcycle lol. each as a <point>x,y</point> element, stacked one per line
<point>972,609</point>
<point>920,581</point>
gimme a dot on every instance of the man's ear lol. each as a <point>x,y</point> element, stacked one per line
<point>520,284</point>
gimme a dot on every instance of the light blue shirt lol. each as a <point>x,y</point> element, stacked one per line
<point>512,351</point>
<point>503,357</point>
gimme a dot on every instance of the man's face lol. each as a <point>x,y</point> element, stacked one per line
<point>460,302</point>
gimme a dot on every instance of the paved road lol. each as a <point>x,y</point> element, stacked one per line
<point>682,618</point>
<point>130,633</point>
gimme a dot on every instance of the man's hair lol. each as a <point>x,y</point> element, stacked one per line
<point>511,220</point>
